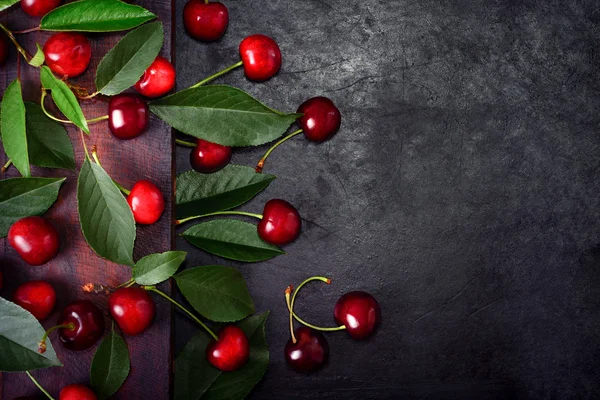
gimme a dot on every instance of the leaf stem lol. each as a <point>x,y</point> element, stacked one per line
<point>98,119</point>
<point>185,310</point>
<point>83,142</point>
<point>38,385</point>
<point>5,167</point>
<point>34,29</point>
<point>247,214</point>
<point>52,117</point>
<point>261,163</point>
<point>291,306</point>
<point>218,74</point>
<point>20,49</point>
<point>184,143</point>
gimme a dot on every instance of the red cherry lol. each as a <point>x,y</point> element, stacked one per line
<point>35,239</point>
<point>208,157</point>
<point>280,223</point>
<point>360,312</point>
<point>205,21</point>
<point>88,325</point>
<point>3,49</point>
<point>37,297</point>
<point>321,119</point>
<point>158,79</point>
<point>261,57</point>
<point>76,392</point>
<point>128,116</point>
<point>146,201</point>
<point>39,8</point>
<point>68,54</point>
<point>132,308</point>
<point>231,351</point>
<point>309,353</point>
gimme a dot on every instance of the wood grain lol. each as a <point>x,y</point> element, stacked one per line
<point>147,157</point>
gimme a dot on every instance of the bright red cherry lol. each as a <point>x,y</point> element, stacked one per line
<point>88,325</point>
<point>37,297</point>
<point>158,80</point>
<point>261,57</point>
<point>309,353</point>
<point>321,119</point>
<point>132,308</point>
<point>360,312</point>
<point>35,239</point>
<point>39,8</point>
<point>231,351</point>
<point>3,48</point>
<point>205,21</point>
<point>68,54</point>
<point>208,157</point>
<point>76,392</point>
<point>280,223</point>
<point>128,116</point>
<point>146,201</point>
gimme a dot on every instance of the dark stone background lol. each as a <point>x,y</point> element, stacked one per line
<point>462,191</point>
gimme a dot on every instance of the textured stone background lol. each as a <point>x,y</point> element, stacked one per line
<point>462,191</point>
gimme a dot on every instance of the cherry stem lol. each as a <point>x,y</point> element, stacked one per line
<point>5,167</point>
<point>42,344</point>
<point>247,214</point>
<point>291,306</point>
<point>288,291</point>
<point>20,49</point>
<point>52,117</point>
<point>83,142</point>
<point>117,184</point>
<point>34,29</point>
<point>97,119</point>
<point>185,310</point>
<point>38,385</point>
<point>126,284</point>
<point>184,143</point>
<point>261,163</point>
<point>218,74</point>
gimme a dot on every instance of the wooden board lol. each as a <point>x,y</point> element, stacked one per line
<point>147,157</point>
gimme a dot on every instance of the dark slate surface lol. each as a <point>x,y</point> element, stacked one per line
<point>462,191</point>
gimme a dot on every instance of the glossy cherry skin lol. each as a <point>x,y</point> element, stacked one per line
<point>158,79</point>
<point>39,8</point>
<point>360,312</point>
<point>146,202</point>
<point>37,297</point>
<point>321,119</point>
<point>35,239</point>
<point>68,54</point>
<point>3,48</point>
<point>208,157</point>
<point>128,116</point>
<point>76,392</point>
<point>309,353</point>
<point>261,57</point>
<point>280,223</point>
<point>205,21</point>
<point>231,351</point>
<point>133,309</point>
<point>89,325</point>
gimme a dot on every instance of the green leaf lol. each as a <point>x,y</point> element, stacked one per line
<point>4,4</point>
<point>228,188</point>
<point>123,66</point>
<point>216,292</point>
<point>105,217</point>
<point>48,142</point>
<point>110,366</point>
<point>64,98</point>
<point>196,379</point>
<point>222,114</point>
<point>39,58</point>
<point>95,16</point>
<point>231,238</point>
<point>24,197</point>
<point>20,334</point>
<point>156,268</point>
<point>12,125</point>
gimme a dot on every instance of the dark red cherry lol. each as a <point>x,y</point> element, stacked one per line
<point>280,223</point>
<point>231,351</point>
<point>321,119</point>
<point>309,353</point>
<point>205,21</point>
<point>77,392</point>
<point>68,54</point>
<point>360,312</point>
<point>128,116</point>
<point>39,8</point>
<point>35,239</point>
<point>261,57</point>
<point>208,157</point>
<point>88,322</point>
<point>3,48</point>
<point>132,308</point>
<point>158,79</point>
<point>37,297</point>
<point>146,201</point>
